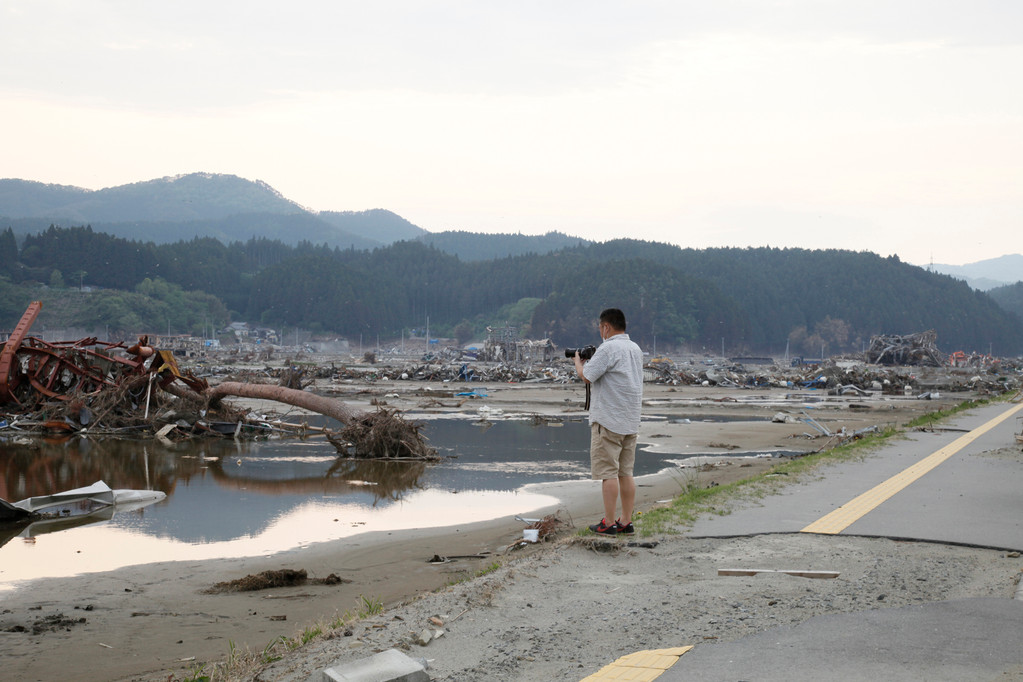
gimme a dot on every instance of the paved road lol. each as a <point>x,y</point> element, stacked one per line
<point>943,486</point>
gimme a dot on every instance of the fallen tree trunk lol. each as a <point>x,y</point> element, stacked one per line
<point>379,435</point>
<point>308,401</point>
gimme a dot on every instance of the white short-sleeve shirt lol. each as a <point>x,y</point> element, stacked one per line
<point>616,374</point>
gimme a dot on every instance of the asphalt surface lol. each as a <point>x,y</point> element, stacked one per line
<point>963,496</point>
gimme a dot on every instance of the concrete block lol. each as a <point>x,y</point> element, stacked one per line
<point>387,666</point>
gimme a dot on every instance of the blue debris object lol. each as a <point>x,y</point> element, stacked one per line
<point>471,394</point>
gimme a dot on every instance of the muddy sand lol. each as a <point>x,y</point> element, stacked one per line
<point>546,613</point>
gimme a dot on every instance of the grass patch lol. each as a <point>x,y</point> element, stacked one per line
<point>695,500</point>
<point>687,506</point>
<point>932,418</point>
<point>371,606</point>
<point>467,576</point>
<point>197,674</point>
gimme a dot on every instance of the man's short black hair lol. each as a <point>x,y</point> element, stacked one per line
<point>614,317</point>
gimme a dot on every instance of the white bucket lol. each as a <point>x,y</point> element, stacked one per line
<point>531,534</point>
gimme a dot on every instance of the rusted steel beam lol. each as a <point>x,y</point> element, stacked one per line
<point>10,349</point>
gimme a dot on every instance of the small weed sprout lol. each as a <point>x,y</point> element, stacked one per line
<point>197,674</point>
<point>371,606</point>
<point>310,633</point>
<point>688,479</point>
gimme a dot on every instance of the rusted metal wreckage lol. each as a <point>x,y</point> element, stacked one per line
<point>88,377</point>
<point>33,370</point>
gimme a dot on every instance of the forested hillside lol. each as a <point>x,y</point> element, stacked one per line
<point>1010,298</point>
<point>476,246</point>
<point>785,290</point>
<point>747,300</point>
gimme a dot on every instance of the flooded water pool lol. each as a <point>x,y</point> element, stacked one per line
<point>251,498</point>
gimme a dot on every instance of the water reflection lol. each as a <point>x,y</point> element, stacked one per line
<point>385,480</point>
<point>32,529</point>
<point>280,467</point>
<point>504,457</point>
<point>228,498</point>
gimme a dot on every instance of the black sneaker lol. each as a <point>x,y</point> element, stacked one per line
<point>603,529</point>
<point>627,529</point>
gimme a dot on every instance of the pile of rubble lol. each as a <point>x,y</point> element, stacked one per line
<point>912,349</point>
<point>929,370</point>
<point>458,371</point>
<point>94,386</point>
<point>843,377</point>
<point>88,386</point>
<point>848,374</point>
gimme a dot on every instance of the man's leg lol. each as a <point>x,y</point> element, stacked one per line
<point>609,488</point>
<point>627,486</point>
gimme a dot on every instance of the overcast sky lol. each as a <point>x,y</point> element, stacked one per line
<point>892,126</point>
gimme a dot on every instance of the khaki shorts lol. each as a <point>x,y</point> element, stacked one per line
<point>612,455</point>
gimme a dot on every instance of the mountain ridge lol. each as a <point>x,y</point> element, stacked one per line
<point>986,274</point>
<point>165,210</point>
<point>233,209</point>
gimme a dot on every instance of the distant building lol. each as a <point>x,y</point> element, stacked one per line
<point>503,344</point>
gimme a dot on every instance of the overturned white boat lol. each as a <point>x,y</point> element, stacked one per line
<point>87,500</point>
<point>79,507</point>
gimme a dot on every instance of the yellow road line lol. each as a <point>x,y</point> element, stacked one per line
<point>641,666</point>
<point>852,511</point>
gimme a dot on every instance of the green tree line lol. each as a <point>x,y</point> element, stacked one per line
<point>753,300</point>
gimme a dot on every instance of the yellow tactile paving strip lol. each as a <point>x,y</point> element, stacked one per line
<point>641,666</point>
<point>855,509</point>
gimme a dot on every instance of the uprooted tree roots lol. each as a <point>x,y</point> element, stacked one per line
<point>382,435</point>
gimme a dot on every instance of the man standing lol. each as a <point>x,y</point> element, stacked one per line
<point>615,373</point>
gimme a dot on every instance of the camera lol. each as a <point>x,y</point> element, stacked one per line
<point>586,352</point>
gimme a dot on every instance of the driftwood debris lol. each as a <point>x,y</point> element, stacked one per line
<point>912,349</point>
<point>285,577</point>
<point>293,377</point>
<point>548,526</point>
